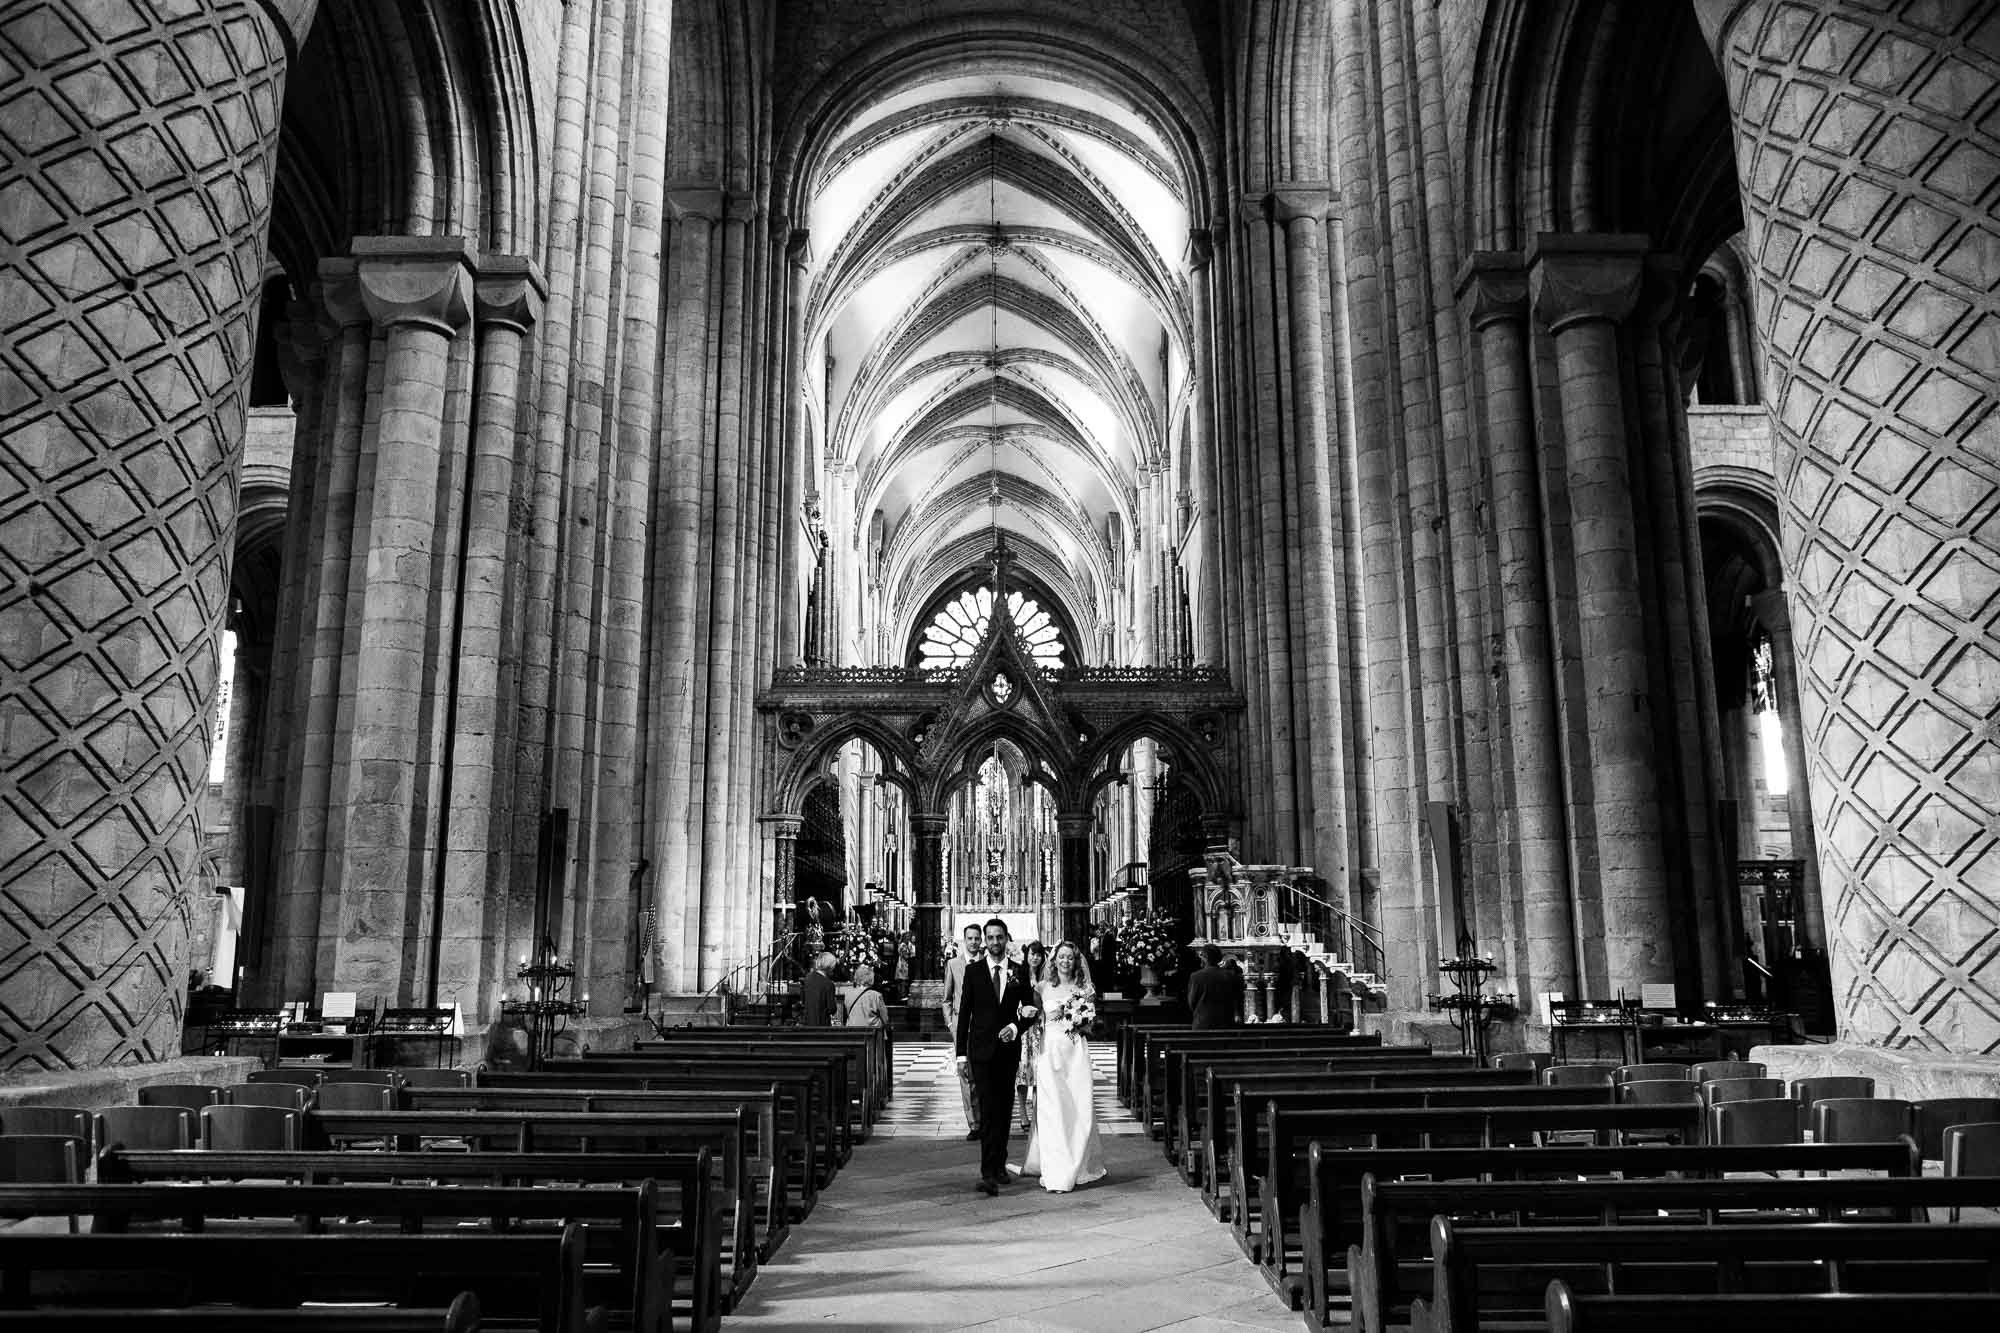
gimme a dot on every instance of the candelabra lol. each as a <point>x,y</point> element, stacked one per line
<point>546,1011</point>
<point>1469,1005</point>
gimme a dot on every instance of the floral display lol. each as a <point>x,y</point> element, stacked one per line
<point>881,948</point>
<point>1147,941</point>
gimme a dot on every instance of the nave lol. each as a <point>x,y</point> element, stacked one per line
<point>904,1242</point>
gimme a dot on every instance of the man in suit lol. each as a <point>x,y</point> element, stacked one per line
<point>995,1005</point>
<point>1212,992</point>
<point>822,1001</point>
<point>954,986</point>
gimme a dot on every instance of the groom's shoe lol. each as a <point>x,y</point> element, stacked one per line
<point>972,1136</point>
<point>988,1186</point>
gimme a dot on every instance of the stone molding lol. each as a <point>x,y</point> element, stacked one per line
<point>798,248</point>
<point>1303,201</point>
<point>1574,278</point>
<point>1492,285</point>
<point>340,293</point>
<point>1075,826</point>
<point>1200,248</point>
<point>698,204</point>
<point>783,826</point>
<point>926,825</point>
<point>425,281</point>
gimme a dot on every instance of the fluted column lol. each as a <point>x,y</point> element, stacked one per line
<point>125,346</point>
<point>1211,647</point>
<point>1775,617</point>
<point>1494,289</point>
<point>796,451</point>
<point>1584,286</point>
<point>419,292</point>
<point>1865,150</point>
<point>927,891</point>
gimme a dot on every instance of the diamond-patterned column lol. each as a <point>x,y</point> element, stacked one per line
<point>136,149</point>
<point>1868,153</point>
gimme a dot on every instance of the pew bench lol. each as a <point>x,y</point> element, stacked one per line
<point>691,1222</point>
<point>462,1316</point>
<point>827,1074</point>
<point>526,1281</point>
<point>1331,1221</point>
<point>1844,1312</point>
<point>1390,1267</point>
<point>1491,1277</point>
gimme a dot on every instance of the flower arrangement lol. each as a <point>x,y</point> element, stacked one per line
<point>1147,941</point>
<point>879,947</point>
<point>1076,1014</point>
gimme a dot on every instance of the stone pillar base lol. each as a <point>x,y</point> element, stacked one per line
<point>118,1085</point>
<point>1913,1075</point>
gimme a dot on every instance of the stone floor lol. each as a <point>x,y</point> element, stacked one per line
<point>903,1241</point>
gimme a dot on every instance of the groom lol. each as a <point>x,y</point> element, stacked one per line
<point>995,1004</point>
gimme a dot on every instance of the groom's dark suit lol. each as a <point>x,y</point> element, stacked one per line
<point>983,1012</point>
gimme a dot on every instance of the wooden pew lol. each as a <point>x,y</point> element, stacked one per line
<point>1481,1277</point>
<point>1289,1131</point>
<point>528,1278</point>
<point>1250,1159</point>
<point>629,1271</point>
<point>462,1316</point>
<point>1331,1221</point>
<point>1824,1312</point>
<point>765,1163</point>
<point>826,1072</point>
<point>865,1051</point>
<point>692,1221</point>
<point>1183,1076</point>
<point>1389,1267</point>
<point>1138,1045</point>
<point>1150,1086</point>
<point>1229,1086</point>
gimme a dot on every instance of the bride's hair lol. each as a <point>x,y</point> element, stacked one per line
<point>1053,975</point>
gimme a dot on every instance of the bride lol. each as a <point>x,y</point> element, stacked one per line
<point>1064,1149</point>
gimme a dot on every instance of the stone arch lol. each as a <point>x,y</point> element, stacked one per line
<point>1191,752</point>
<point>806,766</point>
<point>952,766</point>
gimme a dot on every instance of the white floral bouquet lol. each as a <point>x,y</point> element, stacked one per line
<point>1076,1014</point>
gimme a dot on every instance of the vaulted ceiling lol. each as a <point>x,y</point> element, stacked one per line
<point>996,327</point>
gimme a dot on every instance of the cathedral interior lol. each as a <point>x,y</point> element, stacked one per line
<point>484,480</point>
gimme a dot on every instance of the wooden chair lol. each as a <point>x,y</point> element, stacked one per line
<point>387,1078</point>
<point>419,1076</point>
<point>1650,1073</point>
<point>251,1128</point>
<point>1708,1071</point>
<point>41,1159</point>
<point>1535,1060</point>
<point>192,1096</point>
<point>1934,1116</point>
<point>285,1096</point>
<point>1806,1091</point>
<point>71,1120</point>
<point>1582,1075</point>
<point>1757,1120</point>
<point>1861,1119</point>
<point>1972,1148</point>
<point>1658,1092</point>
<point>1719,1090</point>
<point>357,1097</point>
<point>153,1128</point>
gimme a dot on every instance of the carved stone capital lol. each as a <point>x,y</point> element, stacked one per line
<point>508,292</point>
<point>695,205</point>
<point>1200,248</point>
<point>420,280</point>
<point>928,826</point>
<point>798,248</point>
<point>1074,826</point>
<point>1493,285</point>
<point>738,208</point>
<point>1578,277</point>
<point>784,827</point>
<point>340,294</point>
<point>1302,201</point>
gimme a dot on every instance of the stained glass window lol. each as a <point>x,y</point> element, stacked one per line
<point>954,633</point>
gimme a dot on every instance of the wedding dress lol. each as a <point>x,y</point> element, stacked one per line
<point>1063,1149</point>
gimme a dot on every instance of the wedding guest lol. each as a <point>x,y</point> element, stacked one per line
<point>822,1001</point>
<point>867,1009</point>
<point>1036,958</point>
<point>1212,992</point>
<point>954,991</point>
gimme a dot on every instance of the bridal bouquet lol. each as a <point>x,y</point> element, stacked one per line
<point>1076,1014</point>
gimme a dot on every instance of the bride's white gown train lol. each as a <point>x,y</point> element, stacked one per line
<point>1063,1149</point>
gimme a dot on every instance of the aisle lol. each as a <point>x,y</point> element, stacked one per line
<point>903,1241</point>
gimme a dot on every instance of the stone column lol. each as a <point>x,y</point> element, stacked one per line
<point>794,451</point>
<point>1772,614</point>
<point>125,349</point>
<point>472,934</point>
<point>1074,832</point>
<point>1494,290</point>
<point>1584,286</point>
<point>1865,162</point>
<point>785,876</point>
<point>418,291</point>
<point>927,891</point>
<point>1211,647</point>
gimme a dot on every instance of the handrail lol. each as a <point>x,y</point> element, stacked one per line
<point>1374,935</point>
<point>780,948</point>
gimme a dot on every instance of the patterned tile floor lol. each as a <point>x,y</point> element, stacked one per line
<point>927,1104</point>
<point>903,1241</point>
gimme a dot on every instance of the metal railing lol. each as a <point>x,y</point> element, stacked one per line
<point>754,976</point>
<point>1355,941</point>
